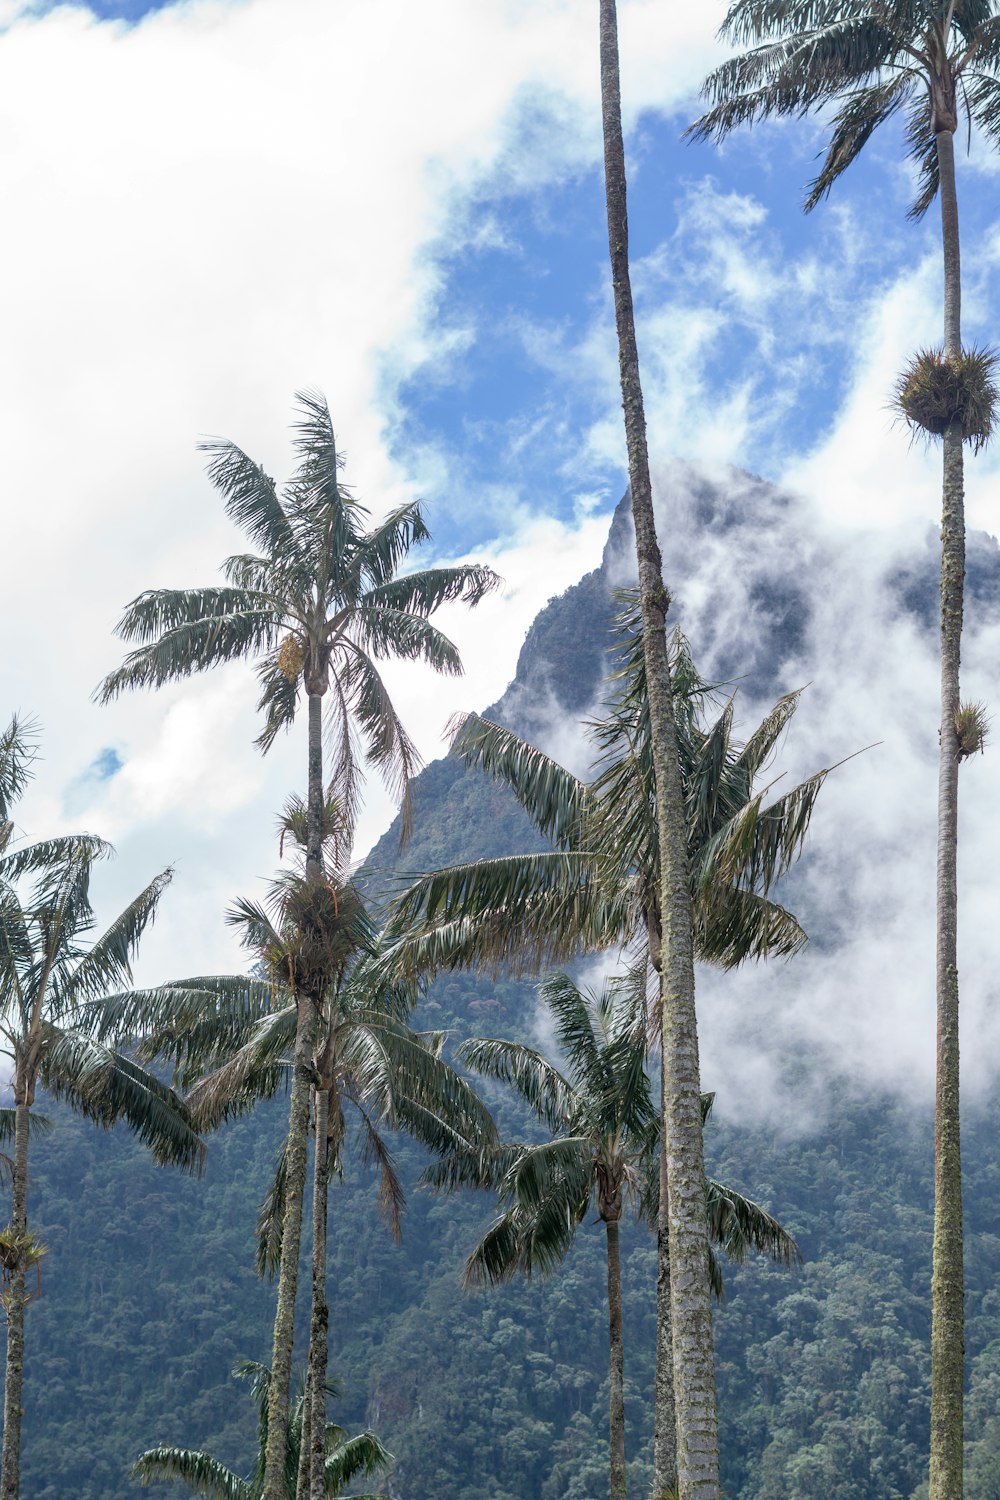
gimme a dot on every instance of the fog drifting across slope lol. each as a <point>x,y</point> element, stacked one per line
<point>771,593</point>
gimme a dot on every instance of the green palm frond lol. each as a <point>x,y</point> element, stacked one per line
<point>424,592</point>
<point>215,626</point>
<point>378,556</point>
<point>271,1217</point>
<point>18,749</point>
<point>109,961</point>
<point>50,859</point>
<point>107,1087</point>
<point>542,1087</point>
<point>742,1228</point>
<point>552,797</point>
<point>391,632</point>
<point>386,744</point>
<point>358,1456</point>
<point>278,701</point>
<point>256,1071</point>
<point>250,496</point>
<point>37,1124</point>
<point>199,1471</point>
<point>868,59</point>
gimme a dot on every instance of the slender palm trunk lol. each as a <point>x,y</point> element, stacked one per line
<point>298,1150</point>
<point>314,830</point>
<point>291,1237</point>
<point>319,1323</point>
<point>10,1465</point>
<point>947,1285</point>
<point>619,1490</point>
<point>664,1415</point>
<point>694,1366</point>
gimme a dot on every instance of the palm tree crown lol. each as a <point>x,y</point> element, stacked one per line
<point>318,601</point>
<point>872,59</point>
<point>346,1458</point>
<point>60,990</point>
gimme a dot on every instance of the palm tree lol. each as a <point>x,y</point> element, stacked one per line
<point>318,941</point>
<point>931,63</point>
<point>55,979</point>
<point>345,1458</point>
<point>682,1225</point>
<point>600,886</point>
<point>319,601</point>
<point>601,1151</point>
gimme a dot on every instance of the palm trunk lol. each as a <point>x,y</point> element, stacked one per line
<point>664,1415</point>
<point>619,1489</point>
<point>288,1273</point>
<point>947,1283</point>
<point>10,1464</point>
<point>298,1150</point>
<point>694,1366</point>
<point>319,1324</point>
<point>305,1451</point>
<point>314,831</point>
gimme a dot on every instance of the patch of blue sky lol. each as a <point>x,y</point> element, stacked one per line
<point>130,11</point>
<point>764,303</point>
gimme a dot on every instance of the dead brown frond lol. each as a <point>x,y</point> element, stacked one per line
<point>934,391</point>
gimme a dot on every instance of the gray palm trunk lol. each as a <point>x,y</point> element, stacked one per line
<point>947,1285</point>
<point>619,1489</point>
<point>16,1298</point>
<point>694,1368</point>
<point>297,1154</point>
<point>664,1414</point>
<point>320,1319</point>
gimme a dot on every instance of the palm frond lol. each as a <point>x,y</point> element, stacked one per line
<point>189,631</point>
<point>18,749</point>
<point>858,117</point>
<point>423,592</point>
<point>356,1456</point>
<point>390,632</point>
<point>542,1087</point>
<point>109,961</point>
<point>199,1471</point>
<point>271,1218</point>
<point>552,797</point>
<point>107,1087</point>
<point>250,496</point>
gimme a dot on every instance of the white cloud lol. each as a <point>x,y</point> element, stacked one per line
<point>206,211</point>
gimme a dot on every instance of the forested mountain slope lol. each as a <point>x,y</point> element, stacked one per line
<point>149,1293</point>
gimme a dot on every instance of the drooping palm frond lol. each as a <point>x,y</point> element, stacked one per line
<point>552,797</point>
<point>108,963</point>
<point>199,1471</point>
<point>18,748</point>
<point>542,1087</point>
<point>187,631</point>
<point>868,58</point>
<point>108,1086</point>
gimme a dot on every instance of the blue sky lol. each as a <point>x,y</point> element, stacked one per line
<point>402,205</point>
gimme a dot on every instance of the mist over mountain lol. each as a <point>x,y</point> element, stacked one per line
<point>823,1107</point>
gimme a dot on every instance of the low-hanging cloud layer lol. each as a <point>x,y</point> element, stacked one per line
<point>774,596</point>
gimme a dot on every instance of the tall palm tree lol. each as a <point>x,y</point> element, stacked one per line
<point>601,1151</point>
<point>319,601</point>
<point>600,886</point>
<point>55,979</point>
<point>932,62</point>
<point>682,1225</point>
<point>316,940</point>
<point>345,1458</point>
